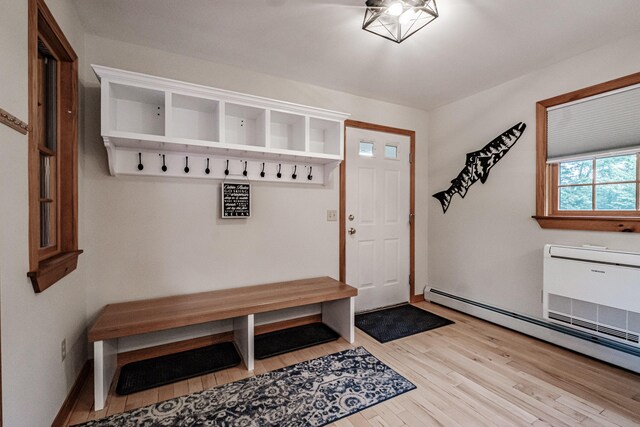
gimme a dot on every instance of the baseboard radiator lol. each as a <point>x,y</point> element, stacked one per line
<point>616,345</point>
<point>593,290</point>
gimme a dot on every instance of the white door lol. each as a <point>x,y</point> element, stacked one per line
<point>377,211</point>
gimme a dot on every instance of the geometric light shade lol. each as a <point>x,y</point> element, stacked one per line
<point>398,19</point>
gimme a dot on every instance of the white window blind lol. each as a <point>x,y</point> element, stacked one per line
<point>605,123</point>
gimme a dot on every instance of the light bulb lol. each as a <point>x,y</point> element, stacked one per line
<point>395,9</point>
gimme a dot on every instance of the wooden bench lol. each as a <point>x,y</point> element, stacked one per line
<point>240,304</point>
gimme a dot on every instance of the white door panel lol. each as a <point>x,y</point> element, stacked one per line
<point>377,198</point>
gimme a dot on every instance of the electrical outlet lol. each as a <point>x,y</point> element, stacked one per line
<point>63,349</point>
<point>332,215</point>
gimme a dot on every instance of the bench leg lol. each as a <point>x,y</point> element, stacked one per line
<point>339,315</point>
<point>105,356</point>
<point>243,336</point>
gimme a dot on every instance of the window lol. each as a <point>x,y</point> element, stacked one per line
<point>606,185</point>
<point>53,212</point>
<point>390,152</point>
<point>366,149</point>
<point>588,161</point>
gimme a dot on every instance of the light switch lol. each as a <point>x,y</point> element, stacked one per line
<point>332,215</point>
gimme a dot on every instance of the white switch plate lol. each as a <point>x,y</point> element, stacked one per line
<point>332,215</point>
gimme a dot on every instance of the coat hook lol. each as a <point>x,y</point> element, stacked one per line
<point>244,172</point>
<point>226,171</point>
<point>140,165</point>
<point>164,164</point>
<point>310,177</point>
<point>207,170</point>
<point>279,175</point>
<point>262,174</point>
<point>294,175</point>
<point>186,165</point>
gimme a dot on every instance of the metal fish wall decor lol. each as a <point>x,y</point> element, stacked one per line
<point>479,163</point>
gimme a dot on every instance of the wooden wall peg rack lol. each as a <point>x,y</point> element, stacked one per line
<point>13,122</point>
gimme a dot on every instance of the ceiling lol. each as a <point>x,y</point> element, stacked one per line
<point>473,45</point>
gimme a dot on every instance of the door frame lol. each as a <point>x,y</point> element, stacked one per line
<point>412,200</point>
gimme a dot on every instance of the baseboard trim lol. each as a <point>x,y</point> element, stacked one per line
<point>416,298</point>
<point>599,348</point>
<point>67,406</point>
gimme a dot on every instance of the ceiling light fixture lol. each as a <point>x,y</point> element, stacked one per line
<point>398,19</point>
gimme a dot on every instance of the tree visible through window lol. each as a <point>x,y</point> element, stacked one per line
<point>599,184</point>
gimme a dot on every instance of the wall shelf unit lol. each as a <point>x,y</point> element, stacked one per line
<point>154,122</point>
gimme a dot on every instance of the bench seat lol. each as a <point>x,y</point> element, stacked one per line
<point>139,317</point>
<point>240,304</point>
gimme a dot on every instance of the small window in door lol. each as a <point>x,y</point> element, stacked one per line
<point>390,152</point>
<point>366,149</point>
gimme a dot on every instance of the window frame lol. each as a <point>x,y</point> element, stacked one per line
<point>547,213</point>
<point>49,264</point>
<point>555,199</point>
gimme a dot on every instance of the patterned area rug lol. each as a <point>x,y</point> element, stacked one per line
<point>312,393</point>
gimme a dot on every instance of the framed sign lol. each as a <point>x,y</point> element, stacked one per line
<point>236,200</point>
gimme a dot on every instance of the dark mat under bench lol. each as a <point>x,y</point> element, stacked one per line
<point>291,339</point>
<point>146,374</point>
<point>392,323</point>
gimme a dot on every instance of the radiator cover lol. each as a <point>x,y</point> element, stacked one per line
<point>593,290</point>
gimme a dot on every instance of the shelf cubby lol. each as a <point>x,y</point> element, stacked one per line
<point>324,136</point>
<point>136,109</point>
<point>148,118</point>
<point>245,125</point>
<point>287,131</point>
<point>195,118</point>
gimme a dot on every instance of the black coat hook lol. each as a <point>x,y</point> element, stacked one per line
<point>262,174</point>
<point>186,165</point>
<point>207,170</point>
<point>164,164</point>
<point>310,177</point>
<point>244,172</point>
<point>294,175</point>
<point>279,175</point>
<point>140,165</point>
<point>226,171</point>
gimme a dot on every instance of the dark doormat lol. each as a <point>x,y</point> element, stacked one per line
<point>291,339</point>
<point>146,374</point>
<point>389,324</point>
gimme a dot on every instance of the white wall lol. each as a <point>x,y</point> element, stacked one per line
<point>34,379</point>
<point>149,237</point>
<point>487,247</point>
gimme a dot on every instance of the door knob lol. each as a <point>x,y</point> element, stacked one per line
<point>351,231</point>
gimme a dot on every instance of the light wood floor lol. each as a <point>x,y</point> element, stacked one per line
<point>472,373</point>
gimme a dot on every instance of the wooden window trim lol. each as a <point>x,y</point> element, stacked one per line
<point>555,211</point>
<point>48,265</point>
<point>546,175</point>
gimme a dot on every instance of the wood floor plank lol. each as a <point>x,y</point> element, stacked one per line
<point>181,388</point>
<point>471,373</point>
<point>165,392</point>
<point>209,381</point>
<point>195,384</point>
